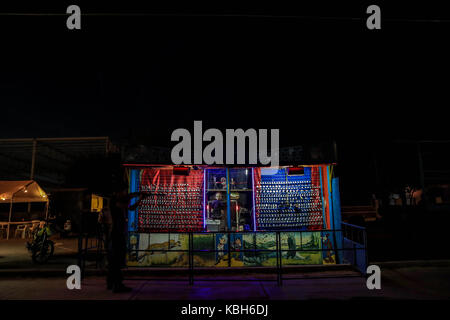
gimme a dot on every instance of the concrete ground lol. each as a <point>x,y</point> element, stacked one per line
<point>14,255</point>
<point>416,282</point>
<point>21,279</point>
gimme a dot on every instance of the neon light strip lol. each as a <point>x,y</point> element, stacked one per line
<point>330,204</point>
<point>228,200</point>
<point>133,187</point>
<point>254,202</point>
<point>204,198</point>
<point>321,195</point>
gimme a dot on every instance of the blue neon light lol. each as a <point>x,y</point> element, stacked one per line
<point>330,203</point>
<point>228,200</point>
<point>324,217</point>
<point>204,198</point>
<point>254,199</point>
<point>134,187</point>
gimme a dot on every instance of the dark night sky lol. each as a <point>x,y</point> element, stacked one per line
<point>145,76</point>
<point>315,79</point>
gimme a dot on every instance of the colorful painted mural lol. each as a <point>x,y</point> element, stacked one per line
<point>260,242</point>
<point>158,249</point>
<point>301,248</point>
<point>204,242</point>
<point>328,255</point>
<point>233,250</point>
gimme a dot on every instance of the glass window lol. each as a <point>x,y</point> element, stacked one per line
<point>216,200</point>
<point>237,201</point>
<point>241,199</point>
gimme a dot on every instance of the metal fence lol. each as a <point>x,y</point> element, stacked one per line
<point>349,247</point>
<point>354,246</point>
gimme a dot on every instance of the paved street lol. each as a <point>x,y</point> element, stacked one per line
<point>14,255</point>
<point>397,283</point>
<point>21,279</point>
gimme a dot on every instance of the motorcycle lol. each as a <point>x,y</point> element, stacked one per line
<point>41,248</point>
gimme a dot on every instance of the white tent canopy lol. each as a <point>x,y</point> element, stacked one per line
<point>21,192</point>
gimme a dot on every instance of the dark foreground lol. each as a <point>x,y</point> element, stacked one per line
<point>398,282</point>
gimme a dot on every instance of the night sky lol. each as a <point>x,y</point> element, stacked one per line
<point>313,78</point>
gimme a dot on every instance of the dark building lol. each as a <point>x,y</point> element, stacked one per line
<point>49,160</point>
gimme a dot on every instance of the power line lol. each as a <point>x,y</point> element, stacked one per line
<point>224,15</point>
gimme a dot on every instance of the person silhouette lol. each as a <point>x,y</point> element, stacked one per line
<point>116,241</point>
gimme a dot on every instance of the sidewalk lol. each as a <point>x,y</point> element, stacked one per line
<point>423,283</point>
<point>14,255</point>
<point>21,279</point>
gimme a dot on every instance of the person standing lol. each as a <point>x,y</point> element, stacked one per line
<point>116,242</point>
<point>117,237</point>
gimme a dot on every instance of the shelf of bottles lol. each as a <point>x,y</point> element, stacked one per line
<point>288,201</point>
<point>175,203</point>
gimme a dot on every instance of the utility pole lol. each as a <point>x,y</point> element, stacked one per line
<point>33,159</point>
<point>33,164</point>
<point>421,173</point>
<point>335,151</point>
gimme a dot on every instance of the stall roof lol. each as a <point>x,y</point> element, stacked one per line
<point>21,191</point>
<point>53,157</point>
<point>306,154</point>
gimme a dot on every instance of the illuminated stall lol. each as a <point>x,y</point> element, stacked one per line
<point>234,216</point>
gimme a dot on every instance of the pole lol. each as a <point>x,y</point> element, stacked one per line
<point>229,248</point>
<point>279,257</point>
<point>228,200</point>
<point>377,174</point>
<point>330,204</point>
<point>33,159</point>
<point>254,199</point>
<point>421,174</point>
<point>9,219</point>
<point>46,210</point>
<point>33,164</point>
<point>191,258</point>
<point>80,247</point>
<point>335,151</point>
<point>324,216</point>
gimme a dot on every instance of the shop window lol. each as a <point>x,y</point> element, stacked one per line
<point>241,199</point>
<point>216,200</point>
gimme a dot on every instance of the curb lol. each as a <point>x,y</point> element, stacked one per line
<point>36,273</point>
<point>135,271</point>
<point>412,263</point>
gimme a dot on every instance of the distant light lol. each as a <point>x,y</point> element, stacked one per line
<point>3,199</point>
<point>25,191</point>
<point>246,171</point>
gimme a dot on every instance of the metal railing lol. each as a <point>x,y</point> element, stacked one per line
<point>349,247</point>
<point>354,243</point>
